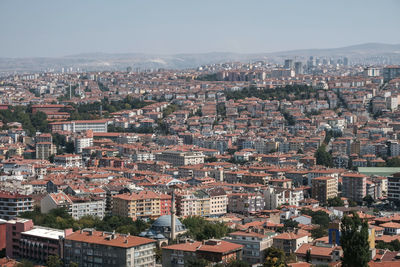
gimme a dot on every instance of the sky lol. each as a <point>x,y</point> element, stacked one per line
<point>52,28</point>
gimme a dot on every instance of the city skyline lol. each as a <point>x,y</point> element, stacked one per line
<point>52,29</point>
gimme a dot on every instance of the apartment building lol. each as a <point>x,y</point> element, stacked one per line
<point>97,126</point>
<point>68,160</point>
<point>324,188</point>
<point>44,146</point>
<point>143,204</point>
<point>354,186</point>
<point>84,140</point>
<point>88,247</point>
<point>77,207</point>
<point>26,241</point>
<point>180,158</point>
<point>13,204</point>
<point>245,203</point>
<point>218,201</point>
<point>195,203</point>
<point>214,251</point>
<point>274,197</point>
<point>394,187</point>
<point>289,242</point>
<point>254,245</point>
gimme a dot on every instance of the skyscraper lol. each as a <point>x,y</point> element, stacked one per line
<point>288,64</point>
<point>298,67</point>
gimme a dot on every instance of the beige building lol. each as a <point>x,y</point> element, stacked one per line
<point>144,204</point>
<point>179,158</point>
<point>290,242</point>
<point>324,188</point>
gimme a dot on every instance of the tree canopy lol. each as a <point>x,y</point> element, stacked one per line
<point>354,241</point>
<point>201,229</point>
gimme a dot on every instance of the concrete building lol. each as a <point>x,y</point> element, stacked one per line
<point>275,197</point>
<point>289,242</point>
<point>179,158</point>
<point>143,204</point>
<point>354,186</point>
<point>394,187</point>
<point>12,204</point>
<point>324,188</point>
<point>391,72</point>
<point>84,140</point>
<point>88,247</point>
<point>97,126</point>
<point>44,146</point>
<point>68,160</point>
<point>254,245</point>
<point>214,251</point>
<point>34,243</point>
<point>77,207</point>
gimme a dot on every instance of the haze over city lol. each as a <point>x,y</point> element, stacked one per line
<point>61,28</point>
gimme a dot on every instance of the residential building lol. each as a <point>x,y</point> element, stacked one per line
<point>13,204</point>
<point>26,241</point>
<point>321,254</point>
<point>254,245</point>
<point>88,247</point>
<point>290,242</point>
<point>324,188</point>
<point>97,126</point>
<point>143,204</point>
<point>77,207</point>
<point>214,251</point>
<point>68,160</point>
<point>394,187</point>
<point>354,186</point>
<point>179,158</point>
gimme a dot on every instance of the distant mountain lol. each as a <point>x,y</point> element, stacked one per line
<point>369,53</point>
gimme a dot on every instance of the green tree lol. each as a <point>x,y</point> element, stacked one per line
<point>274,257</point>
<point>354,241</point>
<point>237,263</point>
<point>369,200</point>
<point>335,202</point>
<point>25,263</point>
<point>308,256</point>
<point>201,229</point>
<point>196,262</point>
<point>393,162</point>
<point>54,261</point>
<point>319,232</point>
<point>323,157</point>
<point>73,264</point>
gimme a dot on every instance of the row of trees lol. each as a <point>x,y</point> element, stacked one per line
<point>292,92</point>
<point>201,229</point>
<point>60,219</point>
<point>31,123</point>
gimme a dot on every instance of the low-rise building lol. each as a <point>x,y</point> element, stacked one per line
<point>88,247</point>
<point>254,245</point>
<point>289,242</point>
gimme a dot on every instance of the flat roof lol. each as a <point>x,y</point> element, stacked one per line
<point>45,232</point>
<point>379,171</point>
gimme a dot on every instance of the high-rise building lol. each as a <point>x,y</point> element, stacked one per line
<point>298,67</point>
<point>394,187</point>
<point>354,186</point>
<point>391,72</point>
<point>324,188</point>
<point>345,61</point>
<point>288,64</point>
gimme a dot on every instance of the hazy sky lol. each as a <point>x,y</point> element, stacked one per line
<point>58,28</point>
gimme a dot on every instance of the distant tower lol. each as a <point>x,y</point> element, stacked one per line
<point>70,91</point>
<point>101,110</point>
<point>173,216</point>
